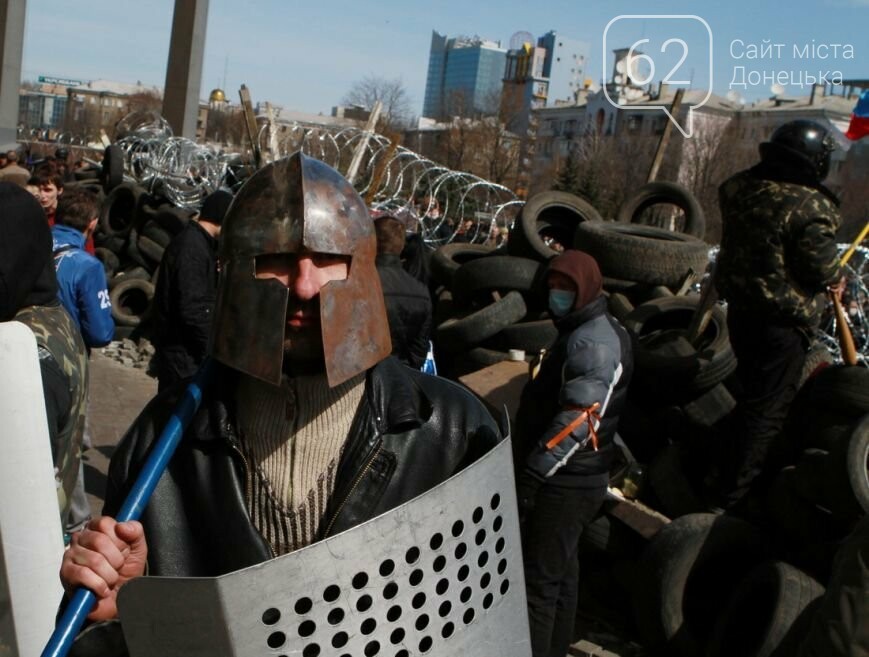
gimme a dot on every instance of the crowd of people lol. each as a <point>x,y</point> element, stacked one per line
<point>319,416</point>
<point>61,293</point>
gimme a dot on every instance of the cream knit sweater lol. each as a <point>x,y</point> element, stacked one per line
<point>292,436</point>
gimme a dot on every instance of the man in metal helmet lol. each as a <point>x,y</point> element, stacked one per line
<point>301,216</point>
<point>310,427</point>
<point>778,253</point>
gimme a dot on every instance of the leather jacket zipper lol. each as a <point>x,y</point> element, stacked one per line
<point>355,485</point>
<point>247,479</point>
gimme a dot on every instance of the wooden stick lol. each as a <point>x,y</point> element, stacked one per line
<point>846,340</point>
<point>665,137</point>
<point>250,124</point>
<point>363,143</point>
<point>847,256</point>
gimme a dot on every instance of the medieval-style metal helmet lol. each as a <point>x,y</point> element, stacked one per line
<point>295,204</point>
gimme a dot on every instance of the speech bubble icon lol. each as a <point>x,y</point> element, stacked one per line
<point>637,68</point>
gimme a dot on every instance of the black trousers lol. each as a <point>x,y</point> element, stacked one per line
<point>550,537</point>
<point>770,362</point>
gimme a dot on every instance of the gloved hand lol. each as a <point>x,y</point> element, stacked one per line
<point>527,485</point>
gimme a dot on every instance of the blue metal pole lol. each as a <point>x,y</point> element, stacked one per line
<point>83,600</point>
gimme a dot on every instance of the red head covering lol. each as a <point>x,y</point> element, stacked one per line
<point>582,269</point>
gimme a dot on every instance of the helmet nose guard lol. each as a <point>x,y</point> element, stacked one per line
<point>298,204</point>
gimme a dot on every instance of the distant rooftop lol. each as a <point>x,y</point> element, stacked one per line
<point>119,88</point>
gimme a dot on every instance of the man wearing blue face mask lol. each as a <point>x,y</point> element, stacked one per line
<point>566,423</point>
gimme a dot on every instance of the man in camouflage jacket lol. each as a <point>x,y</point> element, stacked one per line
<point>28,294</point>
<point>778,254</point>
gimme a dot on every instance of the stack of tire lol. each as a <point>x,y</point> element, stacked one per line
<point>716,585</point>
<point>824,487</point>
<point>134,228</point>
<point>492,301</point>
<point>488,303</point>
<point>791,568</point>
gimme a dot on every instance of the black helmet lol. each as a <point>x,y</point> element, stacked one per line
<point>61,154</point>
<point>808,141</point>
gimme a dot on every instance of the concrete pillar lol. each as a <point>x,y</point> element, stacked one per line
<point>11,48</point>
<point>184,70</point>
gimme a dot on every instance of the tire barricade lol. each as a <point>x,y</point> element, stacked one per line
<point>691,583</point>
<point>133,230</point>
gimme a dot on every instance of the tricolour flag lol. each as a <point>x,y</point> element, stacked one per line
<point>860,118</point>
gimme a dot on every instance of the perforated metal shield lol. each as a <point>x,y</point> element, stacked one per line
<point>440,575</point>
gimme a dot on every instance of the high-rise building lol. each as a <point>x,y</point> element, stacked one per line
<point>464,76</point>
<point>543,75</point>
<point>565,66</point>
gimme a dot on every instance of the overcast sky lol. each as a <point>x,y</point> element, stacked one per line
<point>306,55</point>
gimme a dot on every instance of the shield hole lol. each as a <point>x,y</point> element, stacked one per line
<point>387,568</point>
<point>360,580</point>
<point>303,606</point>
<point>271,616</point>
<point>335,616</point>
<point>393,614</point>
<point>331,593</point>
<point>307,628</point>
<point>412,555</point>
<point>276,639</point>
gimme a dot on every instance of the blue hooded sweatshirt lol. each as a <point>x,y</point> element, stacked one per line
<point>82,286</point>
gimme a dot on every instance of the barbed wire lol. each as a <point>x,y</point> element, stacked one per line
<point>855,301</point>
<point>392,178</point>
<point>395,179</point>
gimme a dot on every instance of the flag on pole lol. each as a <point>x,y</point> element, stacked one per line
<point>860,118</point>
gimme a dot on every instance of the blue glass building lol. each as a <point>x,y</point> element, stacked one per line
<point>464,76</point>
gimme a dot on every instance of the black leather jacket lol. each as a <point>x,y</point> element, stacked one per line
<point>411,432</point>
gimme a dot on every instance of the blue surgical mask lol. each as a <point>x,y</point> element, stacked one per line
<point>561,302</point>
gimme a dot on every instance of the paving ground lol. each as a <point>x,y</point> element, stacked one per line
<point>117,394</point>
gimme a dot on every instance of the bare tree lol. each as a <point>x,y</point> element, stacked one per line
<point>226,126</point>
<point>709,157</point>
<point>144,101</point>
<point>392,93</point>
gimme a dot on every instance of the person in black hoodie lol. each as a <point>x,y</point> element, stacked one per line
<point>29,294</point>
<point>566,423</point>
<point>408,304</point>
<point>186,292</point>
